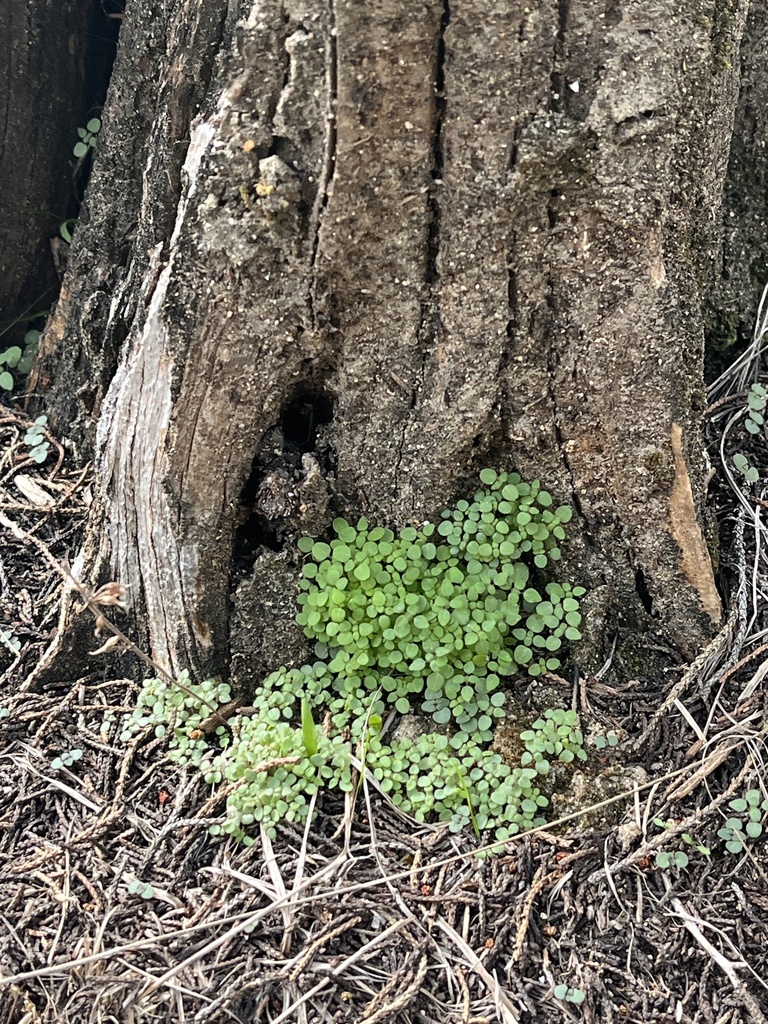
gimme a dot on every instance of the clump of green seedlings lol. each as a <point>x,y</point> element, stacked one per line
<point>433,619</point>
<point>745,823</point>
<point>19,359</point>
<point>556,735</point>
<point>34,439</point>
<point>754,423</point>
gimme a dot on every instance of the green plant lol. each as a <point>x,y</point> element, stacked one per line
<point>9,641</point>
<point>747,470</point>
<point>432,619</point>
<point>16,358</point>
<point>569,995</point>
<point>66,760</point>
<point>608,739</point>
<point>674,859</point>
<point>87,138</point>
<point>142,889</point>
<point>454,599</point>
<point>35,441</point>
<point>556,735</point>
<point>756,400</point>
<point>677,858</point>
<point>65,229</point>
<point>751,810</point>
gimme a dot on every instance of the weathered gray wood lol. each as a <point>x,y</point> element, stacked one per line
<point>475,235</point>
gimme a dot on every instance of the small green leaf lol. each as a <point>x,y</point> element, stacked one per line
<point>308,729</point>
<point>11,356</point>
<point>80,150</point>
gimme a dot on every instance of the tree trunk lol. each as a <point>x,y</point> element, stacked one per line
<point>338,257</point>
<point>45,64</point>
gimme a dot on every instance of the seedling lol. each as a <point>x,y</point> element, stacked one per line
<point>66,760</point>
<point>34,439</point>
<point>9,641</point>
<point>751,809</point>
<point>675,859</point>
<point>87,138</point>
<point>65,229</point>
<point>608,739</point>
<point>569,995</point>
<point>16,358</point>
<point>756,400</point>
<point>142,889</point>
<point>743,465</point>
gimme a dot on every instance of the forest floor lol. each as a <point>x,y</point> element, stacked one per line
<point>116,904</point>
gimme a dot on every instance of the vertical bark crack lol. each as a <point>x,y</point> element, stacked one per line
<point>557,79</point>
<point>552,363</point>
<point>329,161</point>
<point>430,325</point>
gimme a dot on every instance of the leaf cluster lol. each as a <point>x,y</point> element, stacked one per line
<point>756,400</point>
<point>142,889</point>
<point>87,138</point>
<point>556,735</point>
<point>434,619</point>
<point>66,760</point>
<point>34,439</point>
<point>16,358</point>
<point>746,821</point>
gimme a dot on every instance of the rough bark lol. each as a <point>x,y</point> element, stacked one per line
<point>740,255</point>
<point>43,71</point>
<point>408,240</point>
